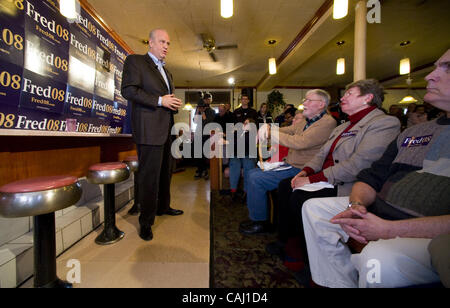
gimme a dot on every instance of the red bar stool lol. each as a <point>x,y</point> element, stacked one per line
<point>108,174</point>
<point>41,197</point>
<point>133,164</point>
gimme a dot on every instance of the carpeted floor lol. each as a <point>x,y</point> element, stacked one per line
<point>239,261</point>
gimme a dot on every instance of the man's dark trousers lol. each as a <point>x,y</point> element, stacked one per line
<point>155,174</point>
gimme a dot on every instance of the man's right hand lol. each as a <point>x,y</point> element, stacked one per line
<point>300,174</point>
<point>171,102</point>
<point>263,133</point>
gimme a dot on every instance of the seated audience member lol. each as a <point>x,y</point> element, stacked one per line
<point>439,249</point>
<point>396,207</point>
<point>279,151</point>
<point>396,111</point>
<point>416,115</point>
<point>264,115</point>
<point>336,112</point>
<point>280,119</point>
<point>288,117</point>
<point>304,140</point>
<point>351,147</point>
<point>432,112</point>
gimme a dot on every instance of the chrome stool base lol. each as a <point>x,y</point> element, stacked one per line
<point>109,236</point>
<point>57,284</point>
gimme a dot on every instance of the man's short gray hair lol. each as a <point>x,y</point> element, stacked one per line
<point>323,94</point>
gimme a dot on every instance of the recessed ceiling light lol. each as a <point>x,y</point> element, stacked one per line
<point>340,43</point>
<point>271,42</point>
<point>405,43</point>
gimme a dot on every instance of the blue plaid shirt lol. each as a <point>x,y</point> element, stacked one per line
<point>310,122</point>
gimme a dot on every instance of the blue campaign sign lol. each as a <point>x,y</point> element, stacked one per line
<point>41,93</point>
<point>104,85</point>
<point>53,70</point>
<point>117,67</point>
<point>8,117</point>
<point>86,24</point>
<point>11,42</point>
<point>44,20</point>
<point>10,83</point>
<point>82,55</point>
<point>44,59</point>
<point>81,47</point>
<point>102,109</point>
<point>78,102</point>
<point>119,114</point>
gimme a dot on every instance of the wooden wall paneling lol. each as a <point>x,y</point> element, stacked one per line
<point>24,156</point>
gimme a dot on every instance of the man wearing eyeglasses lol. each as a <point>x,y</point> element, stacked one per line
<point>304,139</point>
<point>399,208</point>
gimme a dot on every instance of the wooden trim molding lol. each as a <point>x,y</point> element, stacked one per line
<point>90,9</point>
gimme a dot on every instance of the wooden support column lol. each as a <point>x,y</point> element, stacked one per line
<point>359,68</point>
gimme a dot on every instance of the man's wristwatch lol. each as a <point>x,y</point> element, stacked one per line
<point>354,203</point>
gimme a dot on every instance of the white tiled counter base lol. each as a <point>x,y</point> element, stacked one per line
<point>72,224</point>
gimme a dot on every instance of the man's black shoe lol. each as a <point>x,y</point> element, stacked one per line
<point>134,210</point>
<point>146,233</point>
<point>256,227</point>
<point>245,223</point>
<point>171,212</point>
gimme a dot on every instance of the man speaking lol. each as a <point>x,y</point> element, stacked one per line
<point>148,86</point>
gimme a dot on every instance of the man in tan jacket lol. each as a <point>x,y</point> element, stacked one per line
<point>304,139</point>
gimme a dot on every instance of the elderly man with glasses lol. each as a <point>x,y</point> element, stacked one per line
<point>304,139</point>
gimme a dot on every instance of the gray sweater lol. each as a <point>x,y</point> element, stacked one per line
<point>413,175</point>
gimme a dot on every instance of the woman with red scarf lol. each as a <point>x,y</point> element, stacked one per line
<point>351,147</point>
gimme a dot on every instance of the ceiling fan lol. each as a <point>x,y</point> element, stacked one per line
<point>209,44</point>
<point>139,39</point>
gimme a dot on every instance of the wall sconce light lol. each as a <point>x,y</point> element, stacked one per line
<point>226,8</point>
<point>405,67</point>
<point>408,99</point>
<point>340,66</point>
<point>68,8</point>
<point>188,107</point>
<point>340,9</point>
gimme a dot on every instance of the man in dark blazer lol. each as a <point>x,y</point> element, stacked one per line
<point>148,86</point>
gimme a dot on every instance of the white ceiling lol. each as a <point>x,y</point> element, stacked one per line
<point>311,63</point>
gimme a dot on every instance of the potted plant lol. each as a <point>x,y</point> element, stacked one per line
<point>275,101</point>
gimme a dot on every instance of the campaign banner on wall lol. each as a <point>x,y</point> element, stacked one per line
<point>42,93</point>
<point>27,119</point>
<point>10,83</point>
<point>78,103</point>
<point>44,59</point>
<point>12,43</point>
<point>56,74</point>
<point>44,20</point>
